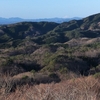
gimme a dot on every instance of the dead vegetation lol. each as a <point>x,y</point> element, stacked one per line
<point>83,88</point>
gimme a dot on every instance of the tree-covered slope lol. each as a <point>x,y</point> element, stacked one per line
<point>51,50</point>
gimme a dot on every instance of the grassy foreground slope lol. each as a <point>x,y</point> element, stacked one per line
<point>84,88</point>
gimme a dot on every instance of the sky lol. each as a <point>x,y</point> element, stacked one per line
<point>35,9</point>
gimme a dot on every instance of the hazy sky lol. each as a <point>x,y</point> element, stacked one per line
<point>48,8</point>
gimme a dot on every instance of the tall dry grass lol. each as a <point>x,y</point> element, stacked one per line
<point>84,88</point>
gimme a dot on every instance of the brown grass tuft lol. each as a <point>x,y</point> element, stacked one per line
<point>84,88</point>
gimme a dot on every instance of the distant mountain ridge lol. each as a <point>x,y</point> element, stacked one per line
<point>17,19</point>
<point>44,32</point>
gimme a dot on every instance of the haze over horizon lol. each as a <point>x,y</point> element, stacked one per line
<point>32,9</point>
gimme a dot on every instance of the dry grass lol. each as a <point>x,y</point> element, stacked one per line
<point>84,88</point>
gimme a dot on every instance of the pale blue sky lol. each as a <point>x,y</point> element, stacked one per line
<point>33,9</point>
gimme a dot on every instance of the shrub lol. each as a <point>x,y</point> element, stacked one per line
<point>33,71</point>
<point>63,70</point>
<point>53,75</point>
<point>97,75</point>
<point>8,62</point>
<point>25,77</point>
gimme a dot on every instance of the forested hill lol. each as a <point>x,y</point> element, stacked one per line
<point>49,49</point>
<point>50,32</point>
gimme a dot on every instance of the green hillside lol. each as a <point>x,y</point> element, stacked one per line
<point>49,50</point>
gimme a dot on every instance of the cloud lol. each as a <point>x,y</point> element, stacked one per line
<point>66,16</point>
